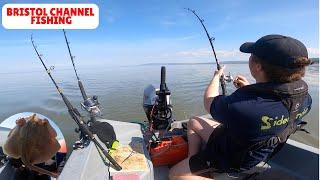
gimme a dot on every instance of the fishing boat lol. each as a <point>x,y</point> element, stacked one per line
<point>134,158</point>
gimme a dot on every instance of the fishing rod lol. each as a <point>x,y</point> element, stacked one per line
<point>90,104</point>
<point>211,39</point>
<point>75,115</point>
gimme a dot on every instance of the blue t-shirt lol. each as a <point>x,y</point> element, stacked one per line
<point>252,117</point>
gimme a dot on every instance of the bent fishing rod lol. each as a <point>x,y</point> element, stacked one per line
<point>91,105</point>
<point>211,39</point>
<point>75,115</point>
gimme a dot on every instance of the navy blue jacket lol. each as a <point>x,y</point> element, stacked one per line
<point>250,118</point>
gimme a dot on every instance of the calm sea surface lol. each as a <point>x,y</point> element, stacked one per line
<point>120,92</point>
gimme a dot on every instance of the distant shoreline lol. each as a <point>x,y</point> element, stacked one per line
<point>223,62</point>
<point>314,61</point>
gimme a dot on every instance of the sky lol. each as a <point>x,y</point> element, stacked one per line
<point>133,32</point>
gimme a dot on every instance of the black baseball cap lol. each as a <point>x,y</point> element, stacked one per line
<point>277,50</point>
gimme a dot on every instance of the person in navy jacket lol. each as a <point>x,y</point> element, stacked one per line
<point>253,114</point>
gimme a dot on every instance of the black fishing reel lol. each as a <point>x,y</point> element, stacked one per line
<point>228,78</point>
<point>83,142</point>
<point>92,106</point>
<point>157,105</point>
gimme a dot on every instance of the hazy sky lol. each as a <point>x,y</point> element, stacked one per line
<point>154,31</point>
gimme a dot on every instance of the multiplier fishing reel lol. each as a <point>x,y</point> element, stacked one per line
<point>92,106</point>
<point>157,105</point>
<point>228,78</point>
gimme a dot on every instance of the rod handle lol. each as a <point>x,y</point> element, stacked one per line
<point>223,86</point>
<point>115,164</point>
<point>222,82</point>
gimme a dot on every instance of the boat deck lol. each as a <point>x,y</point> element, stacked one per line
<point>294,161</point>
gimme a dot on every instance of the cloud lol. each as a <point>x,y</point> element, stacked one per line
<point>232,55</point>
<point>193,53</point>
<point>228,55</point>
<point>168,23</point>
<point>203,54</point>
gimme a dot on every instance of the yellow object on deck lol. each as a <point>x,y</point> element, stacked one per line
<point>114,146</point>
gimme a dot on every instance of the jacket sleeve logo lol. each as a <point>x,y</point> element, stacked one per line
<point>269,122</point>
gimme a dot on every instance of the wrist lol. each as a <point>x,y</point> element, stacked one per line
<point>215,80</point>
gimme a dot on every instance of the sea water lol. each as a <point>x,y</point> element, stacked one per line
<point>120,92</point>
